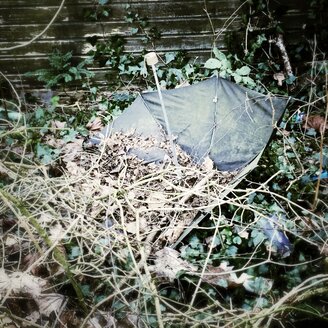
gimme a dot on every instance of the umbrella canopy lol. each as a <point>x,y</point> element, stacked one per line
<point>217,118</point>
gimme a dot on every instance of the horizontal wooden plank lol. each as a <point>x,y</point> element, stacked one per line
<point>133,44</point>
<point>43,14</point>
<point>66,30</point>
<point>184,26</point>
<point>19,80</point>
<point>56,3</point>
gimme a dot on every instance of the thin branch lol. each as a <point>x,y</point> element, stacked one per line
<point>39,35</point>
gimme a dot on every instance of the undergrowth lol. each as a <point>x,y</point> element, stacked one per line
<point>90,236</point>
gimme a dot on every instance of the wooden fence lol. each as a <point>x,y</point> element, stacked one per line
<point>184,25</point>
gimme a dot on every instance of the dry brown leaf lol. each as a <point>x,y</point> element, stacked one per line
<point>53,142</point>
<point>29,260</point>
<point>20,282</point>
<point>11,240</point>
<point>178,226</point>
<point>49,303</point>
<point>243,234</point>
<point>280,77</point>
<point>45,218</point>
<point>156,200</point>
<point>56,233</point>
<point>168,263</point>
<point>74,169</point>
<point>215,275</point>
<point>95,124</point>
<point>208,164</point>
<point>72,150</point>
<point>58,124</point>
<point>315,122</point>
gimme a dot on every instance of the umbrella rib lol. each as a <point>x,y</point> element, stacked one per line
<point>169,133</point>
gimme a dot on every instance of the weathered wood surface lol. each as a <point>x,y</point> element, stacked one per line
<point>184,25</point>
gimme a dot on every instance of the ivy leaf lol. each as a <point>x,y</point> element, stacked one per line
<point>213,63</point>
<point>169,57</point>
<point>237,77</point>
<point>245,70</point>
<point>249,81</point>
<point>39,113</point>
<point>75,252</point>
<point>189,69</point>
<point>67,78</point>
<point>291,79</point>
<point>70,136</point>
<point>134,30</point>
<point>259,285</point>
<point>219,54</point>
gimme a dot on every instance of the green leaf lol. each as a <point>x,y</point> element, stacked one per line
<point>219,54</point>
<point>258,237</point>
<point>54,101</point>
<point>259,285</point>
<point>291,79</point>
<point>169,57</point>
<point>14,116</point>
<point>213,63</point>
<point>75,252</point>
<point>39,113</point>
<point>85,290</point>
<point>249,81</point>
<point>102,2</point>
<point>237,77</point>
<point>245,70</point>
<point>134,30</point>
<point>67,78</point>
<point>189,69</point>
<point>70,136</point>
<point>237,240</point>
<point>231,251</point>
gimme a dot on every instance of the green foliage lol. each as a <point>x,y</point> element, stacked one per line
<point>222,65</point>
<point>140,25</point>
<point>99,11</point>
<point>240,241</point>
<point>62,71</point>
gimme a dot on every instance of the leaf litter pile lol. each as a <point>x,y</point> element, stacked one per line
<point>104,226</point>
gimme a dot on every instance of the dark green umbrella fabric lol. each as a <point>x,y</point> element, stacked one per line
<point>217,118</point>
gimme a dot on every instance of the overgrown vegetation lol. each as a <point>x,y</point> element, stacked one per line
<point>85,232</point>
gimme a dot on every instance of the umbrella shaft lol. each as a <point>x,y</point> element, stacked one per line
<point>169,133</point>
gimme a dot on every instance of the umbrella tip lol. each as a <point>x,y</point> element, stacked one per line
<point>151,58</point>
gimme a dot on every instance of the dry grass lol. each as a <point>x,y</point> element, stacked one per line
<point>105,227</point>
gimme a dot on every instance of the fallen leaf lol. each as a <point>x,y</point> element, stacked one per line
<point>95,125</point>
<point>243,234</point>
<point>168,263</point>
<point>49,303</point>
<point>10,241</point>
<point>315,122</point>
<point>20,282</point>
<point>224,276</point>
<point>56,233</point>
<point>74,169</point>
<point>156,201</point>
<point>208,164</point>
<point>29,260</point>
<point>58,125</point>
<point>279,77</point>
<point>72,150</point>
